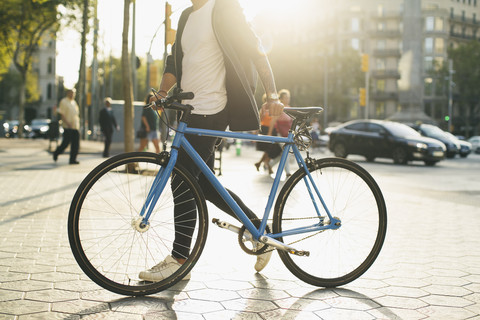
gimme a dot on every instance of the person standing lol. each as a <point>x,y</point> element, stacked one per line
<point>68,110</point>
<point>217,56</point>
<point>149,127</point>
<point>108,124</point>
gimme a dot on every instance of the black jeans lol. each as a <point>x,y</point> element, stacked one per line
<point>70,137</point>
<point>185,209</point>
<point>108,140</point>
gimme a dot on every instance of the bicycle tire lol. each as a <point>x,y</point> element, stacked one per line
<point>104,240</point>
<point>340,256</point>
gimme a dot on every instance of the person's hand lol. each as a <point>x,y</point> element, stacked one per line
<point>274,108</point>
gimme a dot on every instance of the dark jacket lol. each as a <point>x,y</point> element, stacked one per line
<point>107,121</point>
<point>239,45</point>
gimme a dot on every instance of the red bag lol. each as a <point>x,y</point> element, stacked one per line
<point>283,124</point>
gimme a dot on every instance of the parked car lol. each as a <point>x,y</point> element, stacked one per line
<point>39,128</point>
<point>431,131</point>
<point>465,146</point>
<point>475,141</point>
<point>11,129</point>
<point>384,139</point>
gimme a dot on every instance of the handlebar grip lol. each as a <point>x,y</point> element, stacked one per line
<point>185,96</point>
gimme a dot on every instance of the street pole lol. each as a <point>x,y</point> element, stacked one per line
<point>450,96</point>
<point>367,78</point>
<point>134,55</point>
<point>325,93</point>
<point>94,99</point>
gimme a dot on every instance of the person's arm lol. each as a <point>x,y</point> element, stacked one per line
<point>273,105</point>
<point>168,81</point>
<point>145,123</point>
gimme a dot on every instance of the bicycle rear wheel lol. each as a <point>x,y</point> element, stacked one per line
<point>104,217</point>
<point>340,256</point>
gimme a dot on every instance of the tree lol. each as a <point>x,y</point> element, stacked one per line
<point>24,24</point>
<point>127,82</point>
<point>466,63</point>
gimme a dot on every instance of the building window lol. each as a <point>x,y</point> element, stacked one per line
<point>428,45</point>
<point>429,23</point>
<point>438,24</point>
<point>380,85</point>
<point>381,44</point>
<point>355,43</point>
<point>428,63</point>
<point>355,25</point>
<point>380,64</point>
<point>50,66</point>
<point>49,91</point>
<point>439,45</point>
<point>428,87</point>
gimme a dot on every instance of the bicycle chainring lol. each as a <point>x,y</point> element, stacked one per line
<point>250,246</point>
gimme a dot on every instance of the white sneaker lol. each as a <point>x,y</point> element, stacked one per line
<point>162,270</point>
<point>263,259</point>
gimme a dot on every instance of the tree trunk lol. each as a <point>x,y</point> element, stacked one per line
<point>83,69</point>
<point>127,82</point>
<point>21,104</point>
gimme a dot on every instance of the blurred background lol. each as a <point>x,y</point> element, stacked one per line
<point>404,60</point>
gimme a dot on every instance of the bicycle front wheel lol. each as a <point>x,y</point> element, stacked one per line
<point>104,224</point>
<point>339,256</point>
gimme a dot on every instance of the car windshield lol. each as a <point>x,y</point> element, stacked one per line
<point>433,131</point>
<point>401,130</point>
<point>39,122</point>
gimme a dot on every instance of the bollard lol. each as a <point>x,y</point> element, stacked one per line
<point>238,145</point>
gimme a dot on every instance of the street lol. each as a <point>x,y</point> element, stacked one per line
<point>429,267</point>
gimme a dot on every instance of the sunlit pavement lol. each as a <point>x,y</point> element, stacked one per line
<point>429,266</point>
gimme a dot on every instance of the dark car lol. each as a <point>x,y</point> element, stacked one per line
<point>384,139</point>
<point>465,146</point>
<point>39,128</point>
<point>431,131</point>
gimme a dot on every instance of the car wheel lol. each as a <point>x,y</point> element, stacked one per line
<point>430,163</point>
<point>399,155</point>
<point>340,150</point>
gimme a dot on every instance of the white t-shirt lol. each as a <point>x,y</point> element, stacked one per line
<point>203,66</point>
<point>69,109</point>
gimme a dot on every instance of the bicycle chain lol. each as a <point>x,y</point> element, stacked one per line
<point>296,241</point>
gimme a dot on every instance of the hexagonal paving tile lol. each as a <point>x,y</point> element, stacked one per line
<point>80,307</point>
<point>6,295</point>
<point>54,276</point>
<point>19,307</point>
<point>289,315</point>
<point>249,305</point>
<point>351,303</point>
<point>26,285</point>
<point>302,304</point>
<point>196,306</point>
<point>448,301</point>
<point>213,295</point>
<point>52,295</point>
<point>438,312</point>
<point>140,305</point>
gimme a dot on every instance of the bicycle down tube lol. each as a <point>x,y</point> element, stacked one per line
<point>179,140</point>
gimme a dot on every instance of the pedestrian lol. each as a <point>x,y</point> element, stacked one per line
<point>215,56</point>
<point>68,110</point>
<point>270,150</point>
<point>148,128</point>
<point>282,126</point>
<point>108,124</point>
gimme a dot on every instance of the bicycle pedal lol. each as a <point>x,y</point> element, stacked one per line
<point>300,253</point>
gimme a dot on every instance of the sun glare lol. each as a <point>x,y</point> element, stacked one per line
<point>275,7</point>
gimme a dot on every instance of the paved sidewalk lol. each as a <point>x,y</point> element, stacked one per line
<point>429,266</point>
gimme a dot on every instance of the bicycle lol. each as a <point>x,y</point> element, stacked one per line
<point>121,219</point>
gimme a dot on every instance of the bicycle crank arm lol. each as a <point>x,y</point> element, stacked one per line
<point>282,246</point>
<point>231,227</point>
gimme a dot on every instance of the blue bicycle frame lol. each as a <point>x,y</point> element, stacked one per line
<point>180,141</point>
